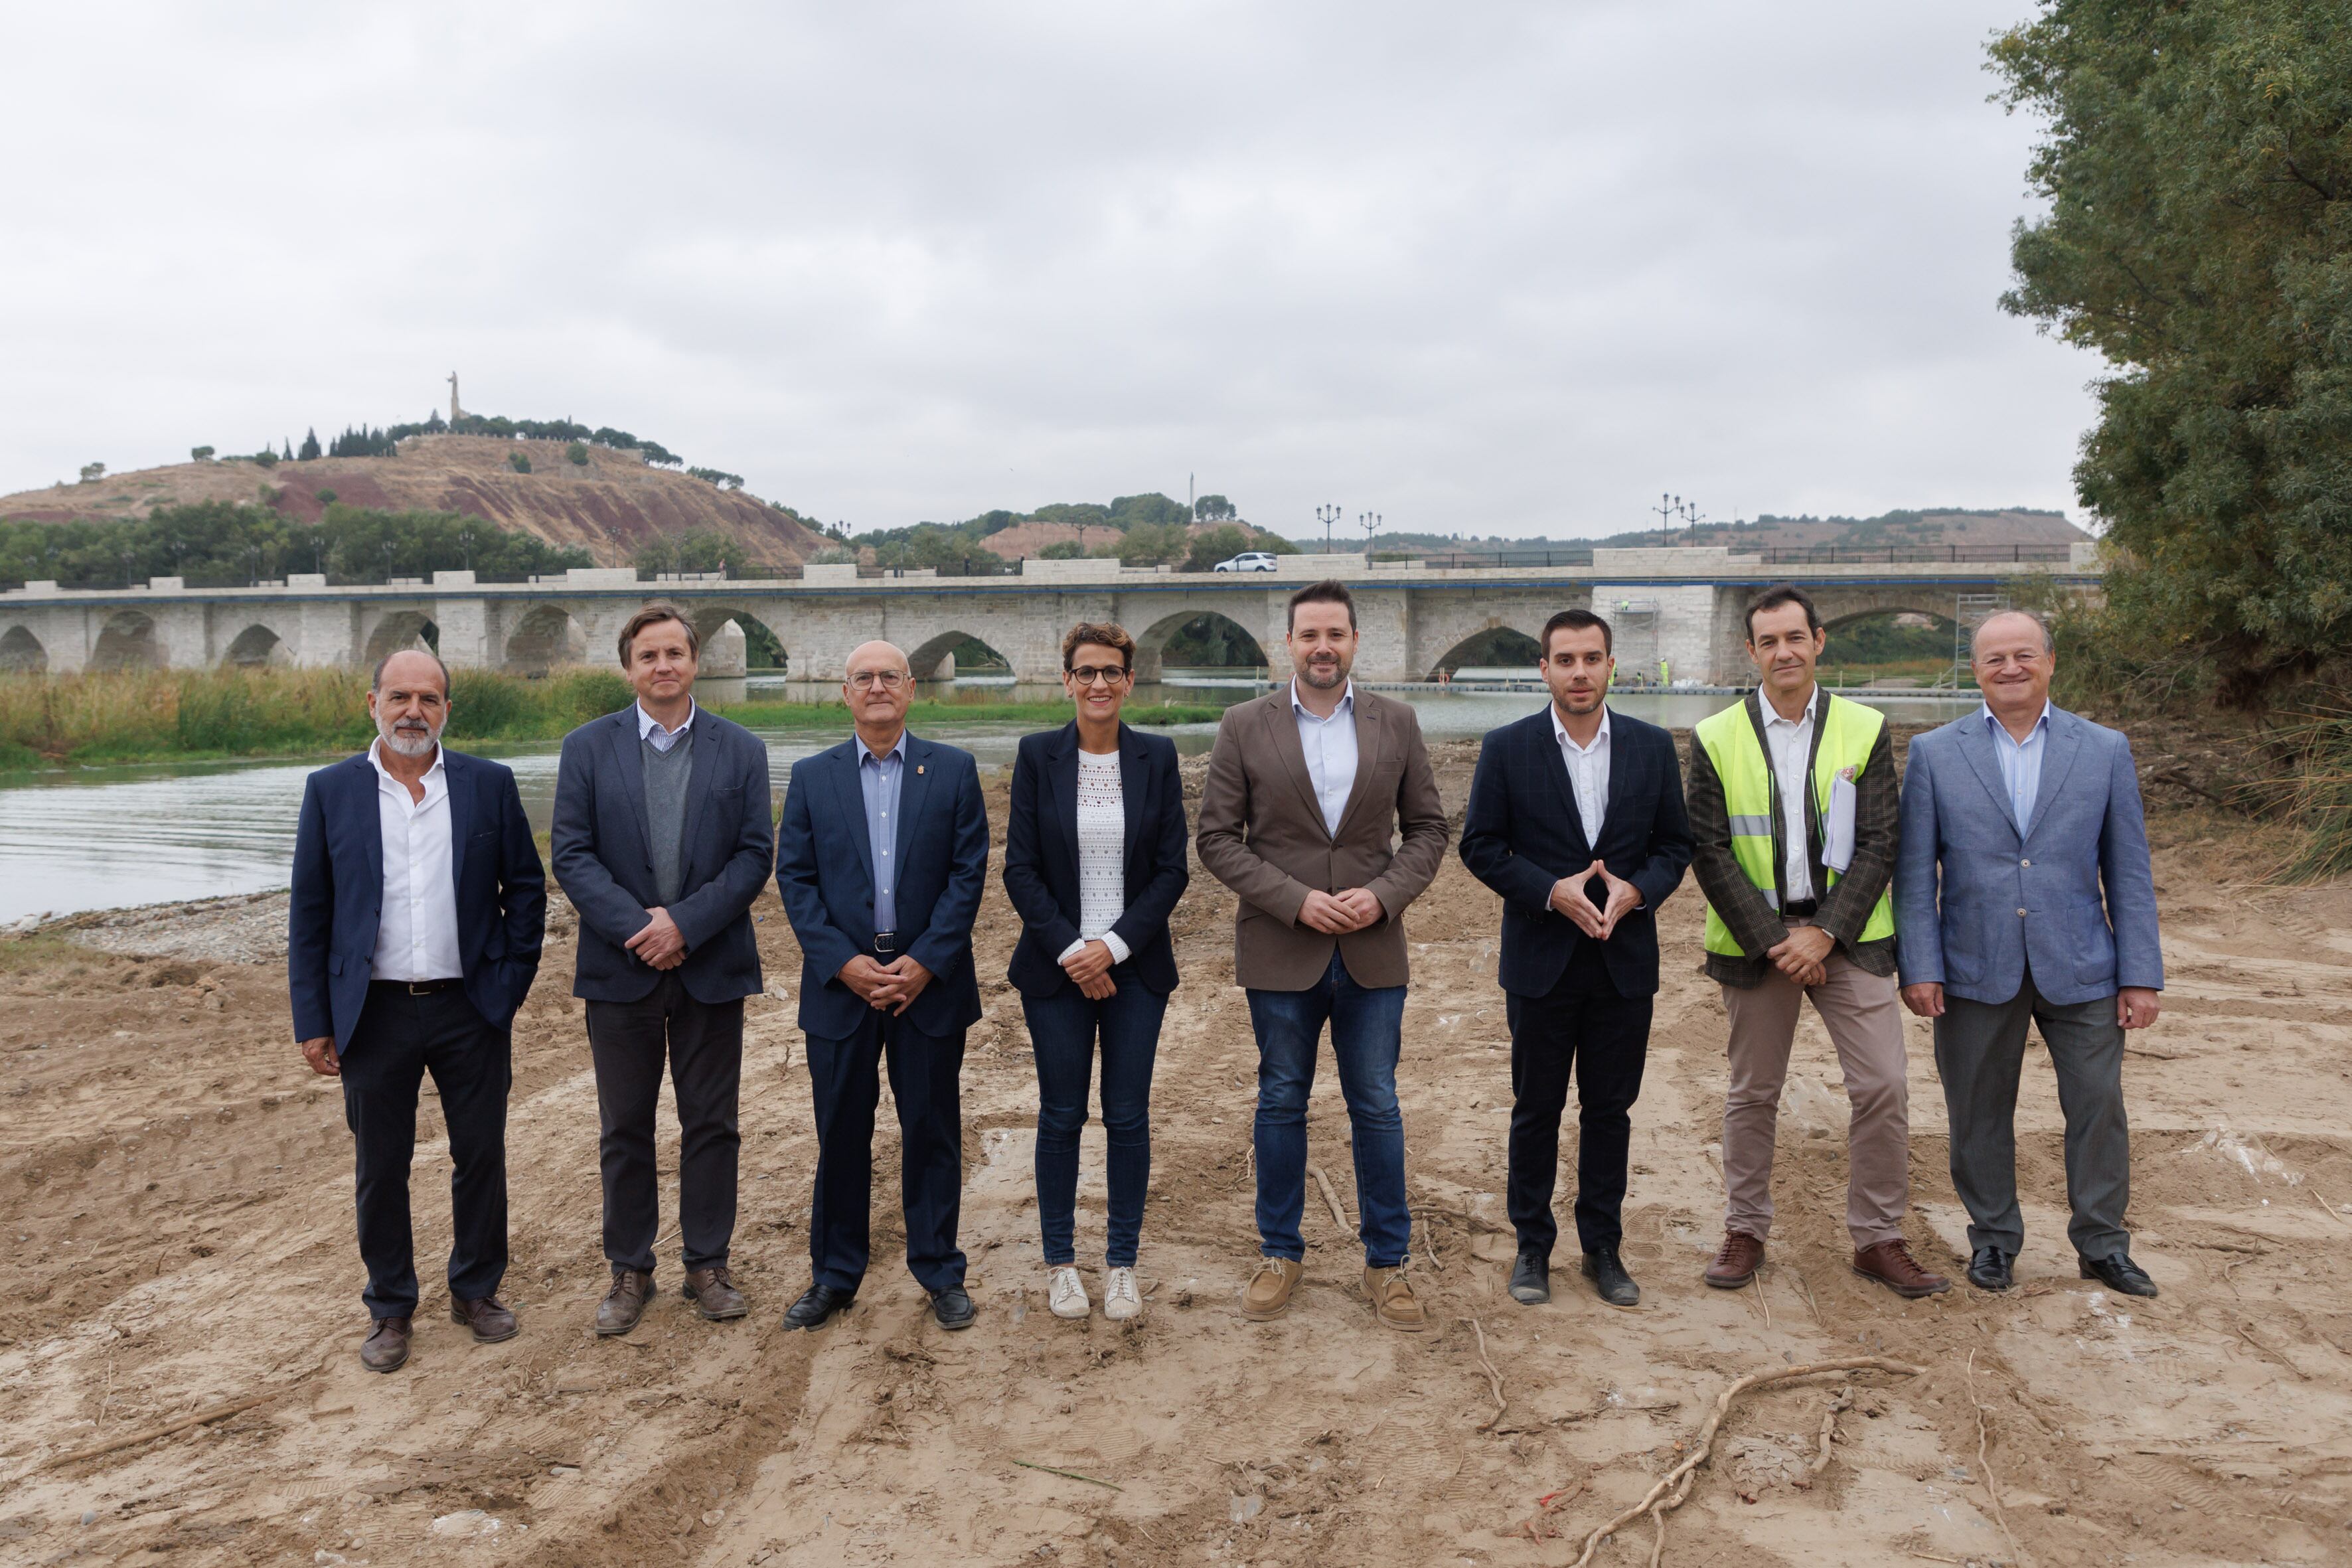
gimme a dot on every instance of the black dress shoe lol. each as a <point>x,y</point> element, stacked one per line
<point>1531,1280</point>
<point>2118,1273</point>
<point>1609,1278</point>
<point>1989,1270</point>
<point>952,1308</point>
<point>817,1304</point>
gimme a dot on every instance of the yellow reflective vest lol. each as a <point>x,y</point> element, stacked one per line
<point>1848,732</point>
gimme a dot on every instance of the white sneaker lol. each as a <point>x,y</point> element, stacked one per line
<point>1067,1294</point>
<point>1121,1299</point>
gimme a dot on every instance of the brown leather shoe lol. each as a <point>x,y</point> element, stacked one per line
<point>1268,1294</point>
<point>625,1303</point>
<point>386,1347</point>
<point>1735,1260</point>
<point>1890,1264</point>
<point>489,1318</point>
<point>714,1294</point>
<point>1392,1301</point>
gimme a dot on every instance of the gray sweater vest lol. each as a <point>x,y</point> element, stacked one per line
<point>667,774</point>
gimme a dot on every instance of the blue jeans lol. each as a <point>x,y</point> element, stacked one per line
<point>1063,1030</point>
<point>1366,1029</point>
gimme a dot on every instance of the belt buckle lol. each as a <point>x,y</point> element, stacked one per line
<point>423,987</point>
<point>886,942</point>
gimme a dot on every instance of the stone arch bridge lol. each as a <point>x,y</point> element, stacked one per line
<point>1684,606</point>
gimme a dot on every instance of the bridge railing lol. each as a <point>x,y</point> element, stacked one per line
<point>1910,555</point>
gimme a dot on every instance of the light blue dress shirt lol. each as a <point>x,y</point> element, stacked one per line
<point>878,779</point>
<point>1330,748</point>
<point>649,728</point>
<point>2020,763</point>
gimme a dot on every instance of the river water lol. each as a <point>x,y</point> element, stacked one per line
<point>108,838</point>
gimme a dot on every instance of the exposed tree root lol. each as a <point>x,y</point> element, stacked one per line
<point>1493,1378</point>
<point>1331,1198</point>
<point>203,1417</point>
<point>1674,1488</point>
<point>1984,1465</point>
<point>1841,1401</point>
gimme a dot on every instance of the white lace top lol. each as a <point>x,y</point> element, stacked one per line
<point>1102,851</point>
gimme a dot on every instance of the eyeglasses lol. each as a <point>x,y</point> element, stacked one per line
<point>887,679</point>
<point>1089,675</point>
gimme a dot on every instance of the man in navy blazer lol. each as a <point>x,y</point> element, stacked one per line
<point>412,935</point>
<point>1576,818</point>
<point>661,841</point>
<point>880,857</point>
<point>2023,894</point>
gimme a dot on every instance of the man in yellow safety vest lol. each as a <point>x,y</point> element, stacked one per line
<point>1793,802</point>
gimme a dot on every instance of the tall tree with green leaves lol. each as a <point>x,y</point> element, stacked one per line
<point>2198,170</point>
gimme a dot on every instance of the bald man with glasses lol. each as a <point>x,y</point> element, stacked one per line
<point>881,857</point>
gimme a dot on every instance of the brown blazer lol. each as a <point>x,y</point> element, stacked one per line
<point>1262,834</point>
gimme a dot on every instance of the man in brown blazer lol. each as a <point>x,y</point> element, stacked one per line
<point>1308,789</point>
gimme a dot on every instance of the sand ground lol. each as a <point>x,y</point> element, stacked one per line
<point>176,1191</point>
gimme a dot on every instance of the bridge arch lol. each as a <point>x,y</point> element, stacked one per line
<point>546,638</point>
<point>762,649</point>
<point>126,641</point>
<point>21,652</point>
<point>926,660</point>
<point>398,632</point>
<point>1200,638</point>
<point>1497,647</point>
<point>256,647</point>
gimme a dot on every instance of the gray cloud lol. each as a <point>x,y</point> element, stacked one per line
<point>1502,269</point>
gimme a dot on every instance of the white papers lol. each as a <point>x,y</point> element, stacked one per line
<point>1837,824</point>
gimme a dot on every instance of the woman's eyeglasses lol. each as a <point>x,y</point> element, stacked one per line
<point>1089,675</point>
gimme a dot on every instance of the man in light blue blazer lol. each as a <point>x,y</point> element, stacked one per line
<point>2026,819</point>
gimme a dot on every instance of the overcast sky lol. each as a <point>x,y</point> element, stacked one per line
<point>1481,267</point>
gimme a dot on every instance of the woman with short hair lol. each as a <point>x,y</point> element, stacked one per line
<point>1094,862</point>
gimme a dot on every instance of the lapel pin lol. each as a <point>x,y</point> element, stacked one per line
<point>918,767</point>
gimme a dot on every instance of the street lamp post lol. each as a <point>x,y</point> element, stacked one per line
<point>1327,515</point>
<point>1664,508</point>
<point>1370,523</point>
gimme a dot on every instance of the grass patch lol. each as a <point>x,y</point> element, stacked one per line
<point>150,716</point>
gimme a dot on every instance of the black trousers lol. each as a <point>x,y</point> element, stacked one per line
<point>399,1038</point>
<point>927,1082</point>
<point>704,1044</point>
<point>1586,1027</point>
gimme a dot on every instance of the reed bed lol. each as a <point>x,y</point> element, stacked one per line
<point>140,716</point>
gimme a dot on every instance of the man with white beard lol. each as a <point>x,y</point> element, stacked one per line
<point>418,908</point>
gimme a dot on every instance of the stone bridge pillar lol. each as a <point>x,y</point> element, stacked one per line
<point>1673,623</point>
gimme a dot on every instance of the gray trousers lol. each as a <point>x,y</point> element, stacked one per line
<point>1979,1052</point>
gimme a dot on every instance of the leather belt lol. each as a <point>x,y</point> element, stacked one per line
<point>415,988</point>
<point>1802,908</point>
<point>886,944</point>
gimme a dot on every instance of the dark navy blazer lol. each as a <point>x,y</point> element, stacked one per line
<point>338,899</point>
<point>601,845</point>
<point>1522,834</point>
<point>824,871</point>
<point>1041,858</point>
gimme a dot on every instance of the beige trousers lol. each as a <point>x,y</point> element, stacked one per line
<point>1865,1023</point>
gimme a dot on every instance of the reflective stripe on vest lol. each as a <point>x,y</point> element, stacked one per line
<point>1848,732</point>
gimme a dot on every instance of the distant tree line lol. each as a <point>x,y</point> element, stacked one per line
<point>363,441</point>
<point>226,543</point>
<point>1148,530</point>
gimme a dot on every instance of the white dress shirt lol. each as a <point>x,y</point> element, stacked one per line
<point>1792,743</point>
<point>2020,762</point>
<point>1102,855</point>
<point>649,728</point>
<point>1330,748</point>
<point>1588,772</point>
<point>416,929</point>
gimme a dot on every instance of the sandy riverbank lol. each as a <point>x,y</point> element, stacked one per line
<point>177,1195</point>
